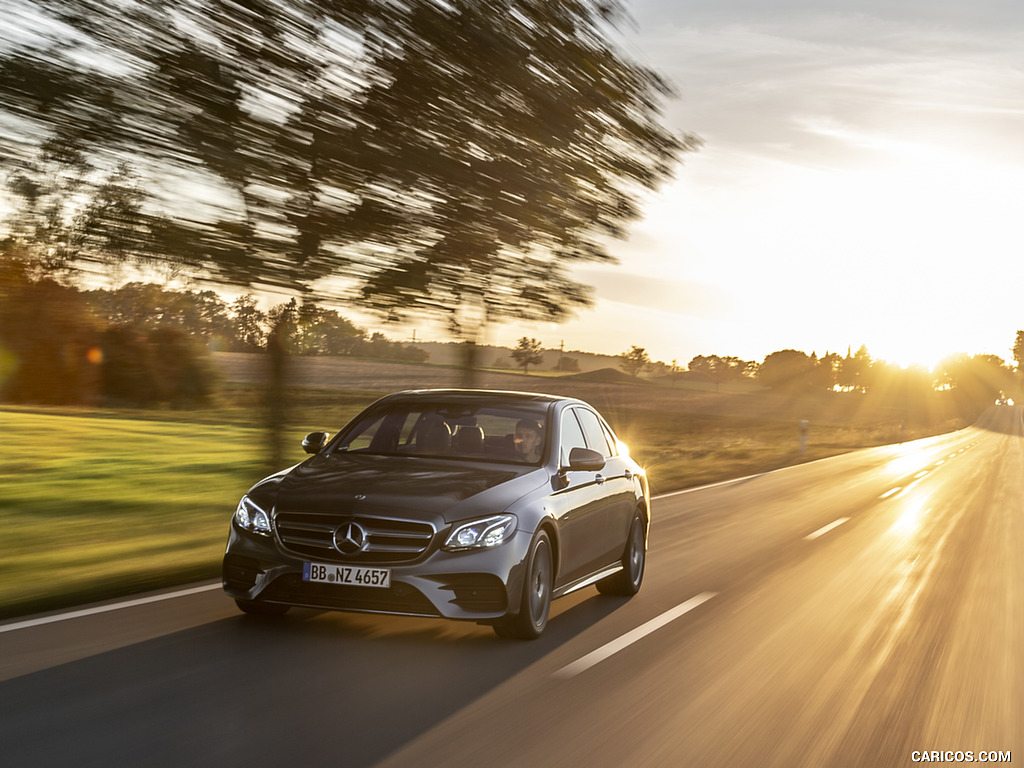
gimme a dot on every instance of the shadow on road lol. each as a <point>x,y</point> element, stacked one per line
<point>311,689</point>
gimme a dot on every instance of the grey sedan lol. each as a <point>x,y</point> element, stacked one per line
<point>463,504</point>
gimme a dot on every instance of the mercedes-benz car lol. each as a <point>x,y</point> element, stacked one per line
<point>472,505</point>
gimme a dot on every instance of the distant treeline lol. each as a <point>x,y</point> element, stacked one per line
<point>789,370</point>
<point>143,345</point>
<point>971,382</point>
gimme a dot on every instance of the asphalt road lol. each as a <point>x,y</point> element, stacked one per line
<point>857,611</point>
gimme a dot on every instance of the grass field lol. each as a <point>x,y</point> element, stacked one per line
<point>97,504</point>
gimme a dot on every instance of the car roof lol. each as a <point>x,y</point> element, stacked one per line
<point>477,395</point>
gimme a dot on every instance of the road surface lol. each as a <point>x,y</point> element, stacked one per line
<point>865,610</point>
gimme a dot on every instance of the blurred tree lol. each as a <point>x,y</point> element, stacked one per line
<point>568,364</point>
<point>854,371</point>
<point>909,393</point>
<point>528,352</point>
<point>827,374</point>
<point>719,369</point>
<point>182,372</point>
<point>128,374</point>
<point>283,320</point>
<point>381,347</point>
<point>322,331</point>
<point>974,381</point>
<point>248,322</point>
<point>531,139</point>
<point>455,158</point>
<point>48,338</point>
<point>142,306</point>
<point>202,315</point>
<point>634,361</point>
<point>787,370</point>
<point>452,157</point>
<point>67,213</point>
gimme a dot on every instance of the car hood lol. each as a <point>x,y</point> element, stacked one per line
<point>407,487</point>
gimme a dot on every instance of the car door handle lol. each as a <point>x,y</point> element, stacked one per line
<point>628,475</point>
<point>598,479</point>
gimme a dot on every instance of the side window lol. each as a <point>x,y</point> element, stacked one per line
<point>610,437</point>
<point>596,439</point>
<point>571,437</point>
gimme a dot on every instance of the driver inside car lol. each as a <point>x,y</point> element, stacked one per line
<point>528,440</point>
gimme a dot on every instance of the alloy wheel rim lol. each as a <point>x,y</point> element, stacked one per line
<point>636,553</point>
<point>538,594</point>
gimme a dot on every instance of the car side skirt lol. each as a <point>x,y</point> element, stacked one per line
<point>586,581</point>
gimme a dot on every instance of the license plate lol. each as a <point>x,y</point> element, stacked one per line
<point>346,574</point>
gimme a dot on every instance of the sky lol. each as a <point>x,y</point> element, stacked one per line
<point>861,183</point>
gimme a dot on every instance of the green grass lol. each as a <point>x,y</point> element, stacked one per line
<point>102,503</point>
<point>94,506</point>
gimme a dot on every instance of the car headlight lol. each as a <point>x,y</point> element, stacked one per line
<point>251,517</point>
<point>483,533</point>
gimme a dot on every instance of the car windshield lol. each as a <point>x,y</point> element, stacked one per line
<point>499,432</point>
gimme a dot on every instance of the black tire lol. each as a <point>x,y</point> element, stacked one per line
<point>259,608</point>
<point>529,623</point>
<point>634,560</point>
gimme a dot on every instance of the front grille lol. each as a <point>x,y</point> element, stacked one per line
<point>388,541</point>
<point>398,598</point>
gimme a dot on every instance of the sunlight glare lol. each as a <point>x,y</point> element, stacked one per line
<point>911,459</point>
<point>910,520</point>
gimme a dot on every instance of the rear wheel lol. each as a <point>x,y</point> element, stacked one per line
<point>535,605</point>
<point>259,608</point>
<point>634,559</point>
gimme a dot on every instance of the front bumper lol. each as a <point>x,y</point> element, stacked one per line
<point>476,585</point>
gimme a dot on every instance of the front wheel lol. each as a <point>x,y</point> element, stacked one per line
<point>627,581</point>
<point>535,605</point>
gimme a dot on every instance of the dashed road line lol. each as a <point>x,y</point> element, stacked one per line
<point>825,529</point>
<point>584,663</point>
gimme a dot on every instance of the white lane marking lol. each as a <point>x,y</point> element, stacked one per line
<point>694,489</point>
<point>891,492</point>
<point>720,483</point>
<point>825,529</point>
<point>919,475</point>
<point>107,608</point>
<point>584,663</point>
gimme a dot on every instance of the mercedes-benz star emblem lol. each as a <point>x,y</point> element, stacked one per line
<point>350,538</point>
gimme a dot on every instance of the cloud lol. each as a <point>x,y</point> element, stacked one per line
<point>752,76</point>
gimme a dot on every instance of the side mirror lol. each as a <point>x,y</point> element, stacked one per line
<point>585,460</point>
<point>314,442</point>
